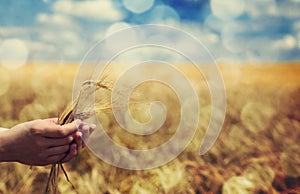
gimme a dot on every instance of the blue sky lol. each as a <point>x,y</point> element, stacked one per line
<point>233,30</point>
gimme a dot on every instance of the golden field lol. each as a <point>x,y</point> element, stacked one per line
<point>257,151</point>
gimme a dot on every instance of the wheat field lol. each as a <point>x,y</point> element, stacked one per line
<point>257,151</point>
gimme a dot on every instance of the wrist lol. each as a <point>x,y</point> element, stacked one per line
<point>5,153</point>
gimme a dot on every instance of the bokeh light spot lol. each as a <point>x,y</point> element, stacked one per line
<point>163,13</point>
<point>138,6</point>
<point>33,111</point>
<point>13,53</point>
<point>233,39</point>
<point>229,9</point>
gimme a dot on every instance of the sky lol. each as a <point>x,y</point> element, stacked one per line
<point>232,30</point>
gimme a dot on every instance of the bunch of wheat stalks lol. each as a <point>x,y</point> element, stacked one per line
<point>66,117</point>
<point>87,90</point>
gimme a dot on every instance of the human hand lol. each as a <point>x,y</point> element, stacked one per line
<point>80,137</point>
<point>84,131</point>
<point>42,142</point>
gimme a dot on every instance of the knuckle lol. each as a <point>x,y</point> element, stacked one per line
<point>61,132</point>
<point>69,139</point>
<point>35,127</point>
<point>34,130</point>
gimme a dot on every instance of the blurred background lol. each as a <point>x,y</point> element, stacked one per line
<point>233,30</point>
<point>258,149</point>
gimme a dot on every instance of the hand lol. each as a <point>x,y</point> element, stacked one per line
<point>41,142</point>
<point>84,131</point>
<point>81,136</point>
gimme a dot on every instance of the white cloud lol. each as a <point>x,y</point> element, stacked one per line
<point>296,26</point>
<point>228,9</point>
<point>64,33</point>
<point>116,27</point>
<point>70,42</point>
<point>15,31</point>
<point>18,44</point>
<point>40,50</point>
<point>289,10</point>
<point>273,8</point>
<point>213,23</point>
<point>56,21</point>
<point>246,27</point>
<point>288,42</point>
<point>34,46</point>
<point>70,37</point>
<point>234,36</point>
<point>58,35</point>
<point>48,36</point>
<point>97,35</point>
<point>48,43</point>
<point>262,48</point>
<point>101,10</point>
<point>250,39</point>
<point>178,40</point>
<point>258,8</point>
<point>206,36</point>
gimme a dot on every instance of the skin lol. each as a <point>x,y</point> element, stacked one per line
<point>43,142</point>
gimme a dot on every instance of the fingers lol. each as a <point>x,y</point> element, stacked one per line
<point>78,137</point>
<point>58,150</point>
<point>55,158</point>
<point>85,132</point>
<point>73,152</point>
<point>57,131</point>
<point>92,128</point>
<point>65,142</point>
<point>70,152</point>
<point>78,141</point>
<point>54,142</point>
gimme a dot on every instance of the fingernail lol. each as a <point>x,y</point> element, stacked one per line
<point>77,122</point>
<point>92,126</point>
<point>85,128</point>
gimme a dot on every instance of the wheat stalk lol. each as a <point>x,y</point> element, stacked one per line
<point>67,117</point>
